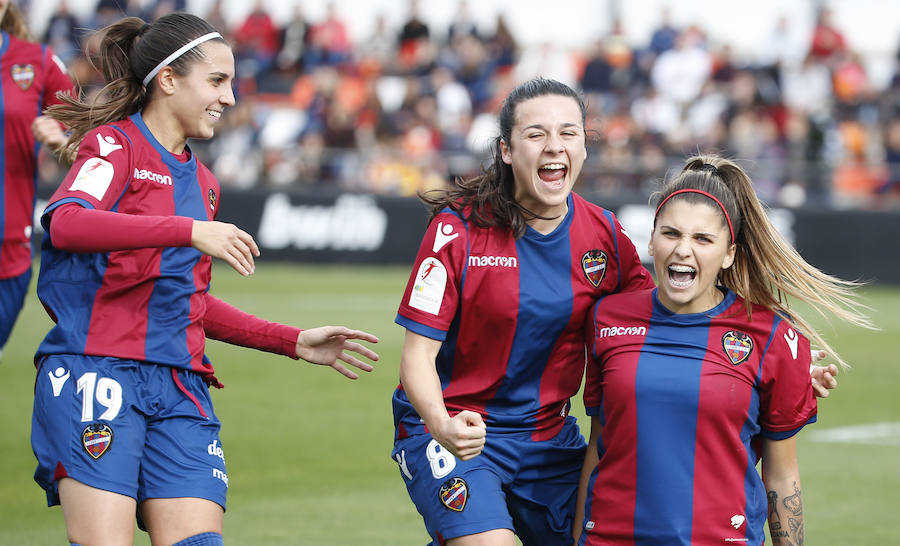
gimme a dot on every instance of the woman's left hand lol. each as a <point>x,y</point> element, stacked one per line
<point>823,377</point>
<point>326,346</point>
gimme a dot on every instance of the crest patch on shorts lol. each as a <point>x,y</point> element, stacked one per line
<point>454,493</point>
<point>96,439</point>
<point>737,345</point>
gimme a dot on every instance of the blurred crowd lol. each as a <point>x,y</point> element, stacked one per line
<point>407,109</point>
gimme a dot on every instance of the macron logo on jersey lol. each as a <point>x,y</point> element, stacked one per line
<point>493,261</point>
<point>611,331</point>
<point>442,236</point>
<point>144,174</point>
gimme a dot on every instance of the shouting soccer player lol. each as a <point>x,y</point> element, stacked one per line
<point>689,385</point>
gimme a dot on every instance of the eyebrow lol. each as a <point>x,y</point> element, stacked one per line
<point>543,128</point>
<point>673,228</point>
<point>220,74</point>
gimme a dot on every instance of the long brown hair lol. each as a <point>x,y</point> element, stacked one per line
<point>491,197</point>
<point>766,267</point>
<point>129,50</point>
<point>14,24</point>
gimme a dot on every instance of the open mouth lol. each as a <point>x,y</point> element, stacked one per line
<point>214,114</point>
<point>681,276</point>
<point>552,172</point>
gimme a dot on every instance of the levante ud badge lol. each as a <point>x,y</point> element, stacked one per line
<point>737,345</point>
<point>96,439</point>
<point>593,263</point>
<point>23,75</point>
<point>454,493</point>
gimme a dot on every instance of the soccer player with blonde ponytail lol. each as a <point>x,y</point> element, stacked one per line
<point>691,383</point>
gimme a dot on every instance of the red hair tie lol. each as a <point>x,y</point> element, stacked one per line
<point>701,192</point>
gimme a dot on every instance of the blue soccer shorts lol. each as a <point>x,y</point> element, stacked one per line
<point>12,297</point>
<point>133,428</point>
<point>516,483</point>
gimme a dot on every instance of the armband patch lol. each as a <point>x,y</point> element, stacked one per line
<point>428,290</point>
<point>94,178</point>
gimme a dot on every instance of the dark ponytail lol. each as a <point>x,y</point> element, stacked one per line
<point>129,50</point>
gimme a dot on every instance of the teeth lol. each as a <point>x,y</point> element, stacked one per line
<point>214,114</point>
<point>682,268</point>
<point>553,166</point>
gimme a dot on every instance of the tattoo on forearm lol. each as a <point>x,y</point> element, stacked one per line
<point>793,535</point>
<point>794,502</point>
<point>774,518</point>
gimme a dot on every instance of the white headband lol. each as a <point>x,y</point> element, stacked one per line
<point>178,53</point>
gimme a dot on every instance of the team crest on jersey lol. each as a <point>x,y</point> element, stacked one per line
<point>96,439</point>
<point>454,493</point>
<point>593,263</point>
<point>737,345</point>
<point>23,75</point>
<point>212,199</point>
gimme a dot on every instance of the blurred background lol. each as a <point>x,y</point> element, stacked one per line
<point>396,96</point>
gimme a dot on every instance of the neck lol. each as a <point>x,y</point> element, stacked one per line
<point>164,128</point>
<point>554,219</point>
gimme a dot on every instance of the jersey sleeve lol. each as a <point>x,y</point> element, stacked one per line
<point>79,229</point>
<point>99,175</point>
<point>57,79</point>
<point>432,293</point>
<point>787,401</point>
<point>227,323</point>
<point>593,392</point>
<point>633,273</point>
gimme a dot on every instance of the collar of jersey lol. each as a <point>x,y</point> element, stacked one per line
<point>661,310</point>
<point>5,45</point>
<point>167,157</point>
<point>559,231</point>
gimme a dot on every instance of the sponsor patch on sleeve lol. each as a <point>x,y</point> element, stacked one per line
<point>94,178</point>
<point>428,290</point>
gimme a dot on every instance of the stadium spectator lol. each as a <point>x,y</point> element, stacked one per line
<point>256,41</point>
<point>722,381</point>
<point>414,40</point>
<point>328,40</point>
<point>32,76</point>
<point>294,39</point>
<point>494,347</point>
<point>62,34</point>
<point>679,73</point>
<point>125,272</point>
<point>827,40</point>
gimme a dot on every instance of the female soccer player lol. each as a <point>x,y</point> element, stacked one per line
<point>494,349</point>
<point>123,419</point>
<point>30,77</point>
<point>689,385</point>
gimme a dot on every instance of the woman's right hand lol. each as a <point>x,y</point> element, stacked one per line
<point>227,242</point>
<point>463,434</point>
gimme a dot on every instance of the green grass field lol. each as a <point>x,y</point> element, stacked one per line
<point>308,451</point>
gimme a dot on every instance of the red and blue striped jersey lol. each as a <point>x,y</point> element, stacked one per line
<point>510,313</point>
<point>142,304</point>
<point>30,76</point>
<point>683,400</point>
